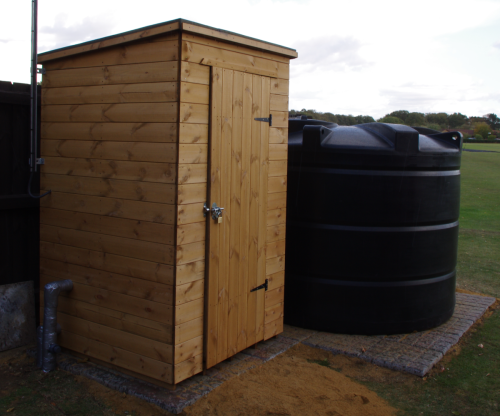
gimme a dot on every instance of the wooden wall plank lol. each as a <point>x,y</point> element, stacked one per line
<point>276,200</point>
<point>273,328</point>
<point>192,173</point>
<point>191,233</point>
<point>215,57</point>
<point>127,247</point>
<point>120,93</point>
<point>190,272</point>
<point>275,249</point>
<point>276,216</point>
<point>128,266</point>
<point>193,113</point>
<point>195,93</point>
<point>195,73</point>
<point>188,253</point>
<point>124,54</point>
<point>193,153</point>
<point>189,194</point>
<point>154,311</point>
<point>129,112</point>
<point>121,132</point>
<point>126,285</point>
<point>188,349</point>
<point>188,330</point>
<point>278,135</point>
<point>203,40</point>
<point>135,210</point>
<point>275,265</point>
<point>279,102</point>
<point>275,233</point>
<point>120,227</point>
<point>189,292</point>
<point>117,356</point>
<point>161,32</point>
<point>280,118</point>
<point>235,38</point>
<point>211,323</point>
<point>263,195</point>
<point>134,171</point>
<point>277,167</point>
<point>278,151</point>
<point>115,319</point>
<point>193,133</point>
<point>189,311</point>
<point>246,153</point>
<point>140,152</point>
<point>274,312</point>
<point>277,184</point>
<point>276,280</point>
<point>114,188</point>
<point>275,296</point>
<point>280,86</point>
<point>106,75</point>
<point>187,214</point>
<point>188,368</point>
<point>116,338</point>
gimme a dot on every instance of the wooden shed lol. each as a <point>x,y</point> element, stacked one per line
<point>139,131</point>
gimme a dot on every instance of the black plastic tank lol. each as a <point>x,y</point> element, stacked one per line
<point>372,227</point>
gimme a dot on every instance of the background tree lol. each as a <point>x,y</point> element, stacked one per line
<point>415,119</point>
<point>437,118</point>
<point>493,121</point>
<point>401,114</point>
<point>391,120</point>
<point>456,120</point>
<point>483,129</point>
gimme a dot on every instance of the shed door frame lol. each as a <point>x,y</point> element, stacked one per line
<point>237,181</point>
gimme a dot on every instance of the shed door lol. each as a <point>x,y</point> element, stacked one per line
<point>236,256</point>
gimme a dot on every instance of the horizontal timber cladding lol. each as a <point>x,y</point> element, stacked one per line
<point>125,170</point>
<point>113,207</point>
<point>134,112</point>
<point>124,93</point>
<point>108,75</point>
<point>116,188</point>
<point>221,58</point>
<point>120,227</point>
<point>130,53</point>
<point>131,151</point>
<point>128,266</point>
<point>121,132</point>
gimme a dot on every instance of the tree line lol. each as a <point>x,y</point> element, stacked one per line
<point>483,126</point>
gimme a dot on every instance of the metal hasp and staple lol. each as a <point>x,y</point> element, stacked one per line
<point>47,347</point>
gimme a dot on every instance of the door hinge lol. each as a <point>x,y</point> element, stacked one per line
<point>262,286</point>
<point>266,120</point>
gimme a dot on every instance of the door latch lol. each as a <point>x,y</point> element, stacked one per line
<point>216,212</point>
<point>266,120</point>
<point>262,286</point>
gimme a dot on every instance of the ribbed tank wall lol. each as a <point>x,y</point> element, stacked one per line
<point>372,228</point>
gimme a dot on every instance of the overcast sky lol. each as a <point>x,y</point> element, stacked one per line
<point>355,57</point>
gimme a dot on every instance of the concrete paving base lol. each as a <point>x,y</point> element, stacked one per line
<point>414,353</point>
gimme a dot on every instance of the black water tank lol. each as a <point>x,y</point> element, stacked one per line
<point>372,227</point>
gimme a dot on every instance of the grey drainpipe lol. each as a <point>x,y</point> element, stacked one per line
<point>47,347</point>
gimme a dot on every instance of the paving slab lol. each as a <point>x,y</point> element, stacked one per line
<point>415,353</point>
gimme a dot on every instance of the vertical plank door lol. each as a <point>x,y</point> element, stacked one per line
<point>239,159</point>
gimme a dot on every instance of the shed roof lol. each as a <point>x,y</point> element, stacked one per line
<point>166,27</point>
